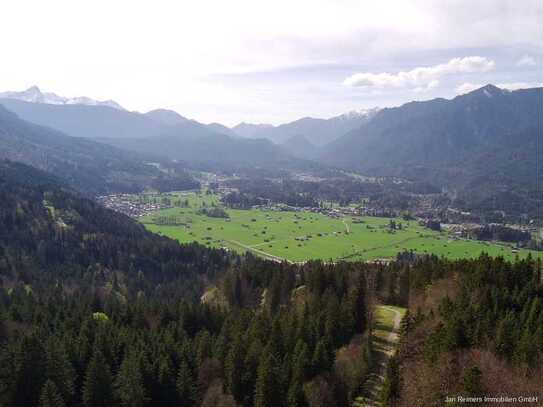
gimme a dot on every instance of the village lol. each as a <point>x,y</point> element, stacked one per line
<point>127,205</point>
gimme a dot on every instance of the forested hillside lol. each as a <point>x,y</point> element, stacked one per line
<point>50,232</point>
<point>96,311</point>
<point>475,329</point>
<point>482,147</point>
<point>88,166</point>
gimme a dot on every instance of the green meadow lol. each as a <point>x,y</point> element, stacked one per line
<point>300,236</point>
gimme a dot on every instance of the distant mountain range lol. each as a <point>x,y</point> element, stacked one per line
<point>85,117</point>
<point>35,95</point>
<point>162,132</point>
<point>210,150</point>
<point>318,132</point>
<point>485,147</point>
<point>300,146</point>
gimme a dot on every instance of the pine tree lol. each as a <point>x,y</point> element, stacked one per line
<point>165,393</point>
<point>504,342</point>
<point>249,375</point>
<point>332,317</point>
<point>405,325</point>
<point>6,376</point>
<point>28,372</point>
<point>234,369</point>
<point>266,391</point>
<point>97,387</point>
<point>50,396</point>
<point>295,396</point>
<point>359,305</point>
<point>129,387</point>
<point>59,369</point>
<point>186,388</point>
<point>321,358</point>
<point>300,363</point>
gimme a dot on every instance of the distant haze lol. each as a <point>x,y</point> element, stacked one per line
<point>268,61</point>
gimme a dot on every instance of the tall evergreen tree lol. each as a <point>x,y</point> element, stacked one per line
<point>321,360</point>
<point>59,369</point>
<point>266,390</point>
<point>295,396</point>
<point>234,370</point>
<point>186,388</point>
<point>28,372</point>
<point>97,387</point>
<point>50,396</point>
<point>129,387</point>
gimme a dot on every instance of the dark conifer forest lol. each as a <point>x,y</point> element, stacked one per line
<point>96,311</point>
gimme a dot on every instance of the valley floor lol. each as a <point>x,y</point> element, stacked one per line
<point>304,235</point>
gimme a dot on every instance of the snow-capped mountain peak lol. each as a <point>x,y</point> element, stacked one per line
<point>35,95</point>
<point>360,113</point>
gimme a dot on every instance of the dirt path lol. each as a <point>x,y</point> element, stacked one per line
<point>346,226</point>
<point>385,337</point>
<point>386,246</point>
<point>260,252</point>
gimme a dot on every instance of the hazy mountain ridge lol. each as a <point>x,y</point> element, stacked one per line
<point>216,150</point>
<point>299,146</point>
<point>160,132</point>
<point>318,131</point>
<point>86,165</point>
<point>166,117</point>
<point>35,95</point>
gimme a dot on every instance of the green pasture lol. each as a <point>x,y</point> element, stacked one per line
<point>299,236</point>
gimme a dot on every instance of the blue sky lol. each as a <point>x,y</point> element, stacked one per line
<point>269,61</point>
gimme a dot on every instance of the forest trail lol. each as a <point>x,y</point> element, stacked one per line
<point>385,341</point>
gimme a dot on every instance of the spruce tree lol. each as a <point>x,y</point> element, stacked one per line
<point>97,387</point>
<point>59,369</point>
<point>50,396</point>
<point>28,372</point>
<point>129,387</point>
<point>300,362</point>
<point>186,388</point>
<point>266,391</point>
<point>233,370</point>
<point>295,396</point>
<point>165,392</point>
<point>321,360</point>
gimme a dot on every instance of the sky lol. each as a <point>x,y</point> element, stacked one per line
<point>268,61</point>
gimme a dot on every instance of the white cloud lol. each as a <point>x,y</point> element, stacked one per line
<point>422,78</point>
<point>526,60</point>
<point>431,85</point>
<point>469,87</point>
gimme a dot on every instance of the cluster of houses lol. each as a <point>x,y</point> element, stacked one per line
<point>125,203</point>
<point>331,212</point>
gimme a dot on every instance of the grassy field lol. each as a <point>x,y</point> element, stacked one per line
<point>299,236</point>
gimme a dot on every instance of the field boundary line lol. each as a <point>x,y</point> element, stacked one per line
<point>262,253</point>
